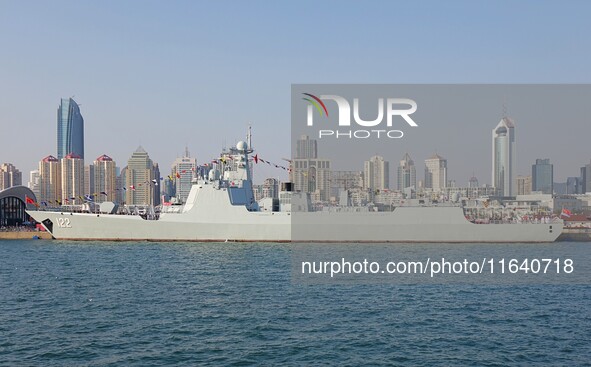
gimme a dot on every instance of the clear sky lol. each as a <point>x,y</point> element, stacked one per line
<point>168,73</point>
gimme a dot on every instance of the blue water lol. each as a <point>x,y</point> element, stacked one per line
<point>152,304</point>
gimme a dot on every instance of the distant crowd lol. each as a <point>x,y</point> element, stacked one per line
<point>18,229</point>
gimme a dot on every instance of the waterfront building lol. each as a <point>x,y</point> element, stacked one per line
<point>345,180</point>
<point>436,173</point>
<point>573,186</point>
<point>105,179</point>
<point>585,179</point>
<point>309,173</point>
<point>50,180</point>
<point>9,176</point>
<point>122,185</point>
<point>542,176</point>
<point>89,180</point>
<point>270,188</point>
<point>504,157</point>
<point>312,176</point>
<point>140,175</point>
<point>13,203</point>
<point>72,170</point>
<point>376,174</point>
<point>183,173</point>
<point>407,173</point>
<point>70,129</point>
<point>524,185</point>
<point>34,182</point>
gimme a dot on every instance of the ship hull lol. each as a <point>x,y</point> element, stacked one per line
<point>404,224</point>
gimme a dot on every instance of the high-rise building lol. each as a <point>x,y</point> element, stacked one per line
<point>376,173</point>
<point>10,176</point>
<point>105,179</point>
<point>309,173</point>
<point>586,179</point>
<point>407,173</point>
<point>270,188</point>
<point>122,185</point>
<point>70,129</point>
<point>140,176</point>
<point>306,148</point>
<point>312,176</point>
<point>156,184</point>
<point>542,176</point>
<point>473,182</point>
<point>89,180</point>
<point>573,186</point>
<point>345,181</point>
<point>524,185</point>
<point>34,182</point>
<point>436,173</point>
<point>72,169</point>
<point>183,173</point>
<point>504,157</point>
<point>50,180</point>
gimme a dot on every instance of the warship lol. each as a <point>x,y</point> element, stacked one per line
<point>221,206</point>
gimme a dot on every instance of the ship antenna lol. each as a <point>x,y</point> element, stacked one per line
<point>249,137</point>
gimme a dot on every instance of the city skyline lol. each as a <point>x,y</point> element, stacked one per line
<point>175,79</point>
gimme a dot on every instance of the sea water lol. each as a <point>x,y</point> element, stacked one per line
<point>153,304</point>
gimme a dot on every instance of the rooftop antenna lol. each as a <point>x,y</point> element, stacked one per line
<point>504,106</point>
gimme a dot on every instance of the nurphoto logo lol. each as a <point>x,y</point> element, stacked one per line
<point>390,108</point>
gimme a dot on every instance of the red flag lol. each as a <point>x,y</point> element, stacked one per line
<point>29,200</point>
<point>256,158</point>
<point>184,171</point>
<point>178,175</point>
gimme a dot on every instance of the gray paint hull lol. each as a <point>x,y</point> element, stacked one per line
<point>405,224</point>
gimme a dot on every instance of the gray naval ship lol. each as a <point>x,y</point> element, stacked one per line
<point>221,207</point>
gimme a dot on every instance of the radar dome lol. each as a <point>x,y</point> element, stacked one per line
<point>241,145</point>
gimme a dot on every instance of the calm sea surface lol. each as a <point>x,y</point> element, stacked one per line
<point>152,304</point>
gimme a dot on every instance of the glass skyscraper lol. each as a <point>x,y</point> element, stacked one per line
<point>504,157</point>
<point>70,129</point>
<point>542,175</point>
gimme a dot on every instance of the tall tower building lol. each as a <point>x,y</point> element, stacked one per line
<point>542,176</point>
<point>183,172</point>
<point>139,175</point>
<point>50,180</point>
<point>407,173</point>
<point>504,157</point>
<point>105,179</point>
<point>306,148</point>
<point>585,180</point>
<point>10,176</point>
<point>72,167</point>
<point>523,185</point>
<point>34,182</point>
<point>70,129</point>
<point>308,172</point>
<point>89,180</point>
<point>436,173</point>
<point>376,174</point>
